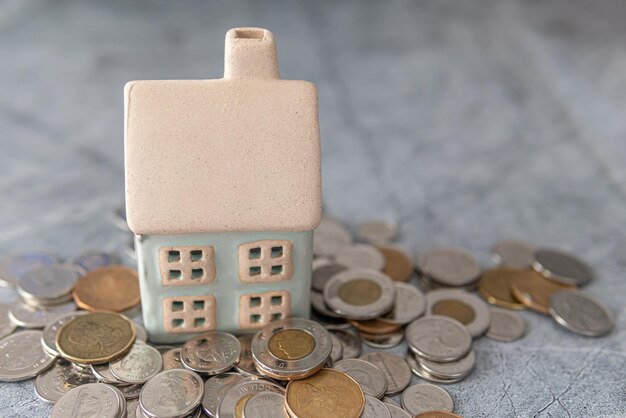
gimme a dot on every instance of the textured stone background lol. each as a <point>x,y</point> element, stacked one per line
<point>465,121</point>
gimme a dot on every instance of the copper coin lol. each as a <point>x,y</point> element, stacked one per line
<point>112,288</point>
<point>495,287</point>
<point>534,290</point>
<point>375,326</point>
<point>398,262</point>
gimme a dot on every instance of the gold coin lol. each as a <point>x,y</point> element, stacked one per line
<point>534,290</point>
<point>495,287</point>
<point>398,264</point>
<point>328,393</point>
<point>96,338</point>
<point>375,326</point>
<point>454,309</point>
<point>437,414</point>
<point>291,344</point>
<point>360,292</point>
<point>111,288</point>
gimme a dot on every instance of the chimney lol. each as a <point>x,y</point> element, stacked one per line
<point>250,53</point>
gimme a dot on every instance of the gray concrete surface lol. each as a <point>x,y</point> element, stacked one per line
<point>466,121</point>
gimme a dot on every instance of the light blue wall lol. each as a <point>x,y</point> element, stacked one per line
<point>227,288</point>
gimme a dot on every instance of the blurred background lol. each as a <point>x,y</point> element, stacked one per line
<point>466,122</point>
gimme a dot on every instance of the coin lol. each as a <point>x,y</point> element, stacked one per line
<point>514,254</point>
<point>319,306</point>
<point>371,379</point>
<point>374,326</point>
<point>417,369</point>
<point>395,369</point>
<point>581,313</point>
<point>438,338</point>
<point>375,409</point>
<point>458,369</point>
<point>377,231</point>
<point>96,338</point>
<point>398,262</point>
<point>211,353</point>
<point>103,374</point>
<point>425,397</point>
<point>496,287</point>
<point>59,379</point>
<point>49,284</point>
<point>465,307</point>
<point>329,237</point>
<point>171,394</point>
<point>214,390</point>
<point>534,290</point>
<point>350,341</point>
<point>450,266</point>
<point>111,288</point>
<point>28,316</point>
<point>12,267</point>
<point>360,294</point>
<point>292,348</point>
<point>171,359</point>
<point>361,256</point>
<point>383,341</point>
<point>265,405</point>
<point>322,274</point>
<point>506,326</point>
<point>562,267</point>
<point>246,365</point>
<point>22,356</point>
<point>92,260</point>
<point>142,335</point>
<point>49,335</point>
<point>328,393</point>
<point>396,411</point>
<point>6,325</point>
<point>85,400</point>
<point>234,400</point>
<point>141,363</point>
<point>130,391</point>
<point>336,353</point>
<point>410,304</point>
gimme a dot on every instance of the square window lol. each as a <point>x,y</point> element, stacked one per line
<point>277,300</point>
<point>173,256</point>
<point>177,322</point>
<point>276,316</point>
<point>255,271</point>
<point>196,255</point>
<point>175,275</point>
<point>277,269</point>
<point>177,305</point>
<point>255,253</point>
<point>197,273</point>
<point>198,305</point>
<point>198,322</point>
<point>277,252</point>
<point>255,301</point>
<point>255,318</point>
<point>189,313</point>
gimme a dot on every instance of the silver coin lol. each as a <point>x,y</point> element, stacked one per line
<point>450,266</point>
<point>171,359</point>
<point>50,283</point>
<point>52,384</point>
<point>410,304</point>
<point>329,237</point>
<point>171,394</point>
<point>383,341</point>
<point>214,390</point>
<point>450,370</point>
<point>6,325</point>
<point>102,372</point>
<point>22,356</point>
<point>93,399</point>
<point>513,253</point>
<point>246,365</point>
<point>482,315</point>
<point>28,316</point>
<point>139,365</point>
<point>388,401</point>
<point>130,391</point>
<point>265,405</point>
<point>12,267</point>
<point>371,379</point>
<point>211,353</point>
<point>419,371</point>
<point>322,274</point>
<point>92,260</point>
<point>581,313</point>
<point>396,411</point>
<point>363,256</point>
<point>350,340</point>
<point>377,231</point>
<point>375,299</point>
<point>336,353</point>
<point>286,368</point>
<point>49,335</point>
<point>131,408</point>
<point>141,333</point>
<point>562,267</point>
<point>425,397</point>
<point>319,306</point>
<point>438,338</point>
<point>395,369</point>
<point>506,326</point>
<point>245,388</point>
<point>374,408</point>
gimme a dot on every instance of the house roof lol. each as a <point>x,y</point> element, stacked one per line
<point>240,153</point>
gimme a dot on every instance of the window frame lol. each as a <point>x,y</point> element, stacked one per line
<point>263,263</point>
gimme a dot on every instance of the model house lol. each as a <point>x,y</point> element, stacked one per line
<point>223,190</point>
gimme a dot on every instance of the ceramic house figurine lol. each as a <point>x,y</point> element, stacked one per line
<point>223,190</point>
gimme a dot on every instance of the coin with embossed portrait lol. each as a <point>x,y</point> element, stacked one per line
<point>506,326</point>
<point>211,353</point>
<point>236,396</point>
<point>172,393</point>
<point>425,397</point>
<point>141,363</point>
<point>581,313</point>
<point>90,400</point>
<point>52,384</point>
<point>438,338</point>
<point>395,369</point>
<point>371,379</point>
<point>48,338</point>
<point>22,356</point>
